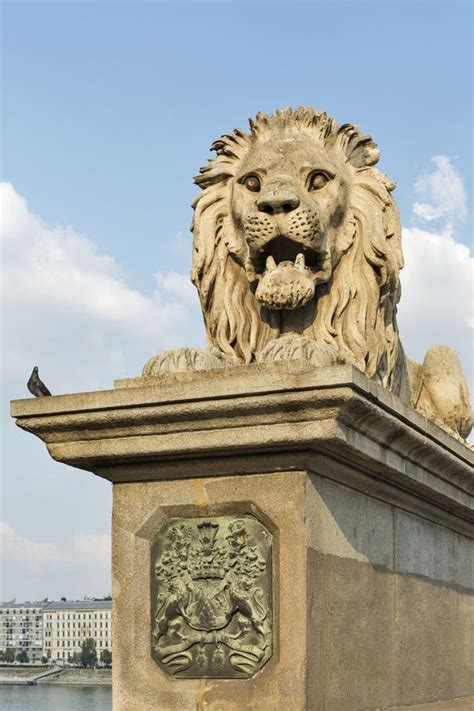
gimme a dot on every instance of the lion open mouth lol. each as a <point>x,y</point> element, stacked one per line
<point>288,273</point>
<point>283,250</point>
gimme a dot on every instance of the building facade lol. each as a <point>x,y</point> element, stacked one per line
<point>67,624</point>
<point>55,630</point>
<point>21,628</point>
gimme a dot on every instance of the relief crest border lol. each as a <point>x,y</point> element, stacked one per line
<point>211,588</point>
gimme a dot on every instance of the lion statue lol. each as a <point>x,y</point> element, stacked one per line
<point>297,253</point>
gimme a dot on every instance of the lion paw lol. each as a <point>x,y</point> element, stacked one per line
<point>183,359</point>
<point>295,347</point>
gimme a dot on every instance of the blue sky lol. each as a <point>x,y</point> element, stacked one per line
<point>115,104</point>
<point>109,109</point>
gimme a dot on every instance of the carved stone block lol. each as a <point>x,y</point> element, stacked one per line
<point>297,254</point>
<point>212,597</point>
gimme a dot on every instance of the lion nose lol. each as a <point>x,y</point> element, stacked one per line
<point>276,203</point>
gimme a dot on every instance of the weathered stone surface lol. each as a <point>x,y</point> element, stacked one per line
<point>255,418</point>
<point>297,253</point>
<point>287,533</point>
<point>463,704</point>
<point>370,510</point>
<point>212,597</point>
<point>140,511</point>
<point>361,633</point>
<point>386,632</point>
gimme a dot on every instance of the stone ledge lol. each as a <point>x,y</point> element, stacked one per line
<point>253,419</point>
<point>465,703</point>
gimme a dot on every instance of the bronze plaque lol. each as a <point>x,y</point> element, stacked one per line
<point>212,597</point>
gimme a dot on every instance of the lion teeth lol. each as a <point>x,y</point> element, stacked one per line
<point>300,262</point>
<point>270,263</point>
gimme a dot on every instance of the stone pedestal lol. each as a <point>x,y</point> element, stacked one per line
<point>367,509</point>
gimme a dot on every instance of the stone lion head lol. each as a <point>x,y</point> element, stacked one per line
<point>295,231</point>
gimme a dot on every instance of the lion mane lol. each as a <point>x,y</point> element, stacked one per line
<point>354,312</point>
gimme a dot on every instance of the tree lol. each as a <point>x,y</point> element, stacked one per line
<point>9,656</point>
<point>106,657</point>
<point>76,659</point>
<point>88,653</point>
<point>44,660</point>
<point>22,657</point>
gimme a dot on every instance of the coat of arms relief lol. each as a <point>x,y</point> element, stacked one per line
<point>212,605</point>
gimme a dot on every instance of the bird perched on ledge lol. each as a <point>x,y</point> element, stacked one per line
<point>35,385</point>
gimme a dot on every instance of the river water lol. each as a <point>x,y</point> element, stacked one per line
<point>46,697</point>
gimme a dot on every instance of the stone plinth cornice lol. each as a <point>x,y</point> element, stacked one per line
<point>252,419</point>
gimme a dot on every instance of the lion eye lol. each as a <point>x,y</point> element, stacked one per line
<point>252,183</point>
<point>317,180</point>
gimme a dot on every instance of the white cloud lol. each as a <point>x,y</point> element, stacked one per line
<point>86,549</point>
<point>31,554</point>
<point>442,192</point>
<point>437,288</point>
<point>68,308</point>
<point>437,282</point>
<point>94,548</point>
<point>178,285</point>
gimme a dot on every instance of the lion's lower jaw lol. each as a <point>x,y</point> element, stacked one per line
<point>285,289</point>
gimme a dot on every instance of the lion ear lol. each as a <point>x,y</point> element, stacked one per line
<point>360,150</point>
<point>364,154</point>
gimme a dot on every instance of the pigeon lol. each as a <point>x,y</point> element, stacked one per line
<point>35,385</point>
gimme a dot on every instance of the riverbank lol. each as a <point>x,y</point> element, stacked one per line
<point>81,677</point>
<point>46,675</point>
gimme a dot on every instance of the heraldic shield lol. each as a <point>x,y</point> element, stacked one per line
<point>212,597</point>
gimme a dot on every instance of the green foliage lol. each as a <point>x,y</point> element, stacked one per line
<point>88,653</point>
<point>9,656</point>
<point>44,660</point>
<point>106,657</point>
<point>22,656</point>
